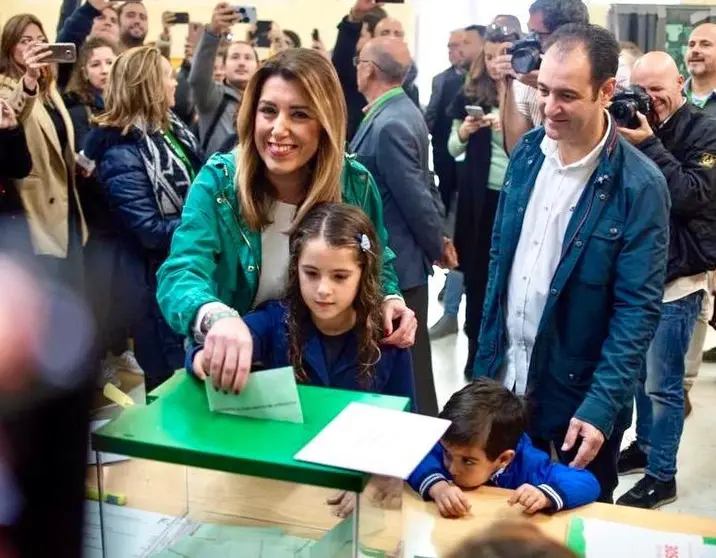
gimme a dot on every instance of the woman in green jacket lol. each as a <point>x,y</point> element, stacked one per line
<point>230,252</point>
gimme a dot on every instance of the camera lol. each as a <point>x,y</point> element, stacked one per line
<point>526,54</point>
<point>627,103</point>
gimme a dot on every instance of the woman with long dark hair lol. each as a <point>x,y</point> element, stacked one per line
<point>49,194</point>
<point>481,140</point>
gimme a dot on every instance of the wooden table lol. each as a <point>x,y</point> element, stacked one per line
<point>301,510</point>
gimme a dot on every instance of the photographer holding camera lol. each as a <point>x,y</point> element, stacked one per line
<point>519,66</point>
<point>681,139</point>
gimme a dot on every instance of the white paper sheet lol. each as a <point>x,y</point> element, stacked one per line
<point>375,440</point>
<point>604,538</point>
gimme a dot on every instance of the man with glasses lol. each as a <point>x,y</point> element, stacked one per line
<point>520,109</point>
<point>354,31</point>
<point>392,142</point>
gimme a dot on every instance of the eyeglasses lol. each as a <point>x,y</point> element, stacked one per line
<point>357,61</point>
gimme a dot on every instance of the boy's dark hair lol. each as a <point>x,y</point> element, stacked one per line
<point>556,13</point>
<point>600,45</point>
<point>512,539</point>
<point>372,18</point>
<point>485,414</point>
<point>479,29</point>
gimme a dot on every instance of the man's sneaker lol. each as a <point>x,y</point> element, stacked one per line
<point>444,327</point>
<point>128,362</point>
<point>649,493</point>
<point>631,460</point>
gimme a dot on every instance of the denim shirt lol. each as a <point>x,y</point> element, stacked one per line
<point>605,297</point>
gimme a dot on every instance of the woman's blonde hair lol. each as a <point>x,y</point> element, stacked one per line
<point>315,75</point>
<point>135,92</point>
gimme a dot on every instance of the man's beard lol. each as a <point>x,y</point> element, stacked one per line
<point>130,41</point>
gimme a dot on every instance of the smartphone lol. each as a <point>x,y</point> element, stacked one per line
<point>393,1</point>
<point>315,35</point>
<point>61,53</point>
<point>263,29</point>
<point>474,110</point>
<point>247,14</point>
<point>181,17</point>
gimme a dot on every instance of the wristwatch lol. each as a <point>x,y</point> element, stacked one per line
<point>211,318</point>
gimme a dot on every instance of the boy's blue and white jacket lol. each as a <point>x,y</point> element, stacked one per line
<point>564,486</point>
<point>392,375</point>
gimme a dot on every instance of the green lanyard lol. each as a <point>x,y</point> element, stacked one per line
<point>380,101</point>
<point>178,149</point>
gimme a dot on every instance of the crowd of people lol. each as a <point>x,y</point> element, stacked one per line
<point>237,213</point>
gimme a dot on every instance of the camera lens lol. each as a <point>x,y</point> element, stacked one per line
<point>623,112</point>
<point>525,60</point>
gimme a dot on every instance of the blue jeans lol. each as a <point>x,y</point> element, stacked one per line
<point>454,289</point>
<point>660,387</point>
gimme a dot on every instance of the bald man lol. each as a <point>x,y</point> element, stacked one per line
<point>392,142</point>
<point>682,144</point>
<point>700,88</point>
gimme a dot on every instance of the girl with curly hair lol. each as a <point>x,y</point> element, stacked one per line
<point>328,326</point>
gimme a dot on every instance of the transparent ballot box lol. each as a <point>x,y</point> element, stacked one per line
<point>175,479</point>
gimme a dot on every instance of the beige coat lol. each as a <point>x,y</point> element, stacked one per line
<point>45,191</point>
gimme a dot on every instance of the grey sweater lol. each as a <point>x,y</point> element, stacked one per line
<point>211,97</point>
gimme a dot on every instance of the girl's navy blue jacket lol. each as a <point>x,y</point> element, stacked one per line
<point>392,375</point>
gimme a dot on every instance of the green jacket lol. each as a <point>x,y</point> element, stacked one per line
<point>215,257</point>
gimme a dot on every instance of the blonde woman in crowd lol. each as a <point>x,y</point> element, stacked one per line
<point>145,160</point>
<point>230,253</point>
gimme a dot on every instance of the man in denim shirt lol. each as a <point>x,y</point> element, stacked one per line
<point>577,262</point>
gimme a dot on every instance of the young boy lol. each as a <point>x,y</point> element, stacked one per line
<point>486,444</point>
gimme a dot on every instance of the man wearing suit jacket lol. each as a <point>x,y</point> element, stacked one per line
<point>446,86</point>
<point>392,142</point>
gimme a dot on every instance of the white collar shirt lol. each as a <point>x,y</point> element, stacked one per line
<point>554,198</point>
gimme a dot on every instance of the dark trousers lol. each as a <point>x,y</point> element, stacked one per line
<point>604,465</point>
<point>427,402</point>
<point>475,272</point>
<point>446,170</point>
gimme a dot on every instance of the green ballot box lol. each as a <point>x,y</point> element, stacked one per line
<point>200,483</point>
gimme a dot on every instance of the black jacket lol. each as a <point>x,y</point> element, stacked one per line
<point>446,86</point>
<point>15,163</point>
<point>343,54</point>
<point>685,150</point>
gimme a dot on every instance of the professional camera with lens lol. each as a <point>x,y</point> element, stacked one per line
<point>627,103</point>
<point>526,54</point>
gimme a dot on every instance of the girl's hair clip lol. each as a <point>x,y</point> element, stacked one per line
<point>364,242</point>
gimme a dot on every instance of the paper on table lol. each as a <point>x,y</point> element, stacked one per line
<point>375,440</point>
<point>594,538</point>
<point>268,395</point>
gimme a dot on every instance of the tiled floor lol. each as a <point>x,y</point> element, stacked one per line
<point>697,454</point>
